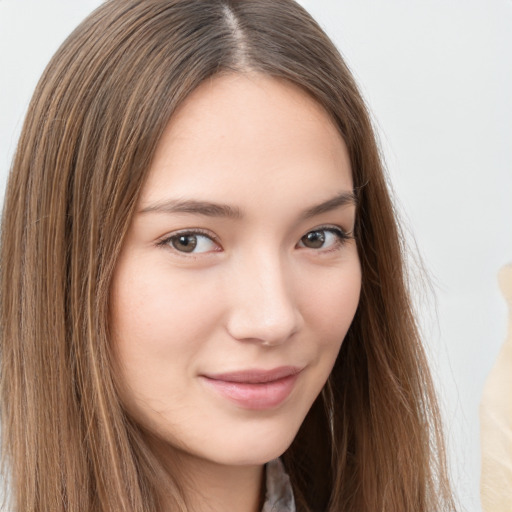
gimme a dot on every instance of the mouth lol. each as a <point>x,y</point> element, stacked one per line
<point>254,389</point>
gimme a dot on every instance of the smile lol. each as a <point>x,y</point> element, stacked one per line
<point>255,389</point>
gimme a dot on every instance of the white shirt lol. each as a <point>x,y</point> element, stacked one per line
<point>279,493</point>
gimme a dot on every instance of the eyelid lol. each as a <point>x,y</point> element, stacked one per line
<point>165,241</point>
<point>333,228</point>
<point>342,234</point>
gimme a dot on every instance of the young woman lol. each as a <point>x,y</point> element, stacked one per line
<point>204,304</point>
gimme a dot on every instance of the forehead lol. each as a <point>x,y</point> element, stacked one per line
<point>248,133</point>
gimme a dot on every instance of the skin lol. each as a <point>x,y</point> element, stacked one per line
<point>255,293</point>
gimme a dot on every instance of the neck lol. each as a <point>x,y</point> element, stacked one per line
<point>211,487</point>
<point>217,488</point>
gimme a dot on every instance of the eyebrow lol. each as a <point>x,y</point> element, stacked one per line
<point>205,208</point>
<point>343,199</point>
<point>211,209</point>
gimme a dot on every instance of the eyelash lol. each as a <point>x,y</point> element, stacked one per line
<point>341,235</point>
<point>167,241</point>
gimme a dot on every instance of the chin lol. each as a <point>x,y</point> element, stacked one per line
<point>256,447</point>
<point>248,445</point>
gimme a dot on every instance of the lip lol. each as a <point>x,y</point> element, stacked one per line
<point>255,389</point>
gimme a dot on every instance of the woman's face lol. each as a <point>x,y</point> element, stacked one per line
<point>239,277</point>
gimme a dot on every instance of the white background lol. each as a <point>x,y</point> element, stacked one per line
<point>438,78</point>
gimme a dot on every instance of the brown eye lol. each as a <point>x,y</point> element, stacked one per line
<point>313,239</point>
<point>191,242</point>
<point>184,243</point>
<point>325,238</point>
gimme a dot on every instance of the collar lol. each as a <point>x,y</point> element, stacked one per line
<point>279,493</point>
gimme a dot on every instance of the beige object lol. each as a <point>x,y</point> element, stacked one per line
<point>496,420</point>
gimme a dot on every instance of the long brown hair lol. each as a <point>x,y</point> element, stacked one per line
<point>372,440</point>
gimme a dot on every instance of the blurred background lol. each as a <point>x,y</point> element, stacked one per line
<point>437,76</point>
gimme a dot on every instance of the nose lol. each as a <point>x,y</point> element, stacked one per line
<point>263,306</point>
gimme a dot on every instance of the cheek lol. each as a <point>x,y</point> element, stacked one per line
<point>332,302</point>
<point>160,328</point>
<point>155,315</point>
